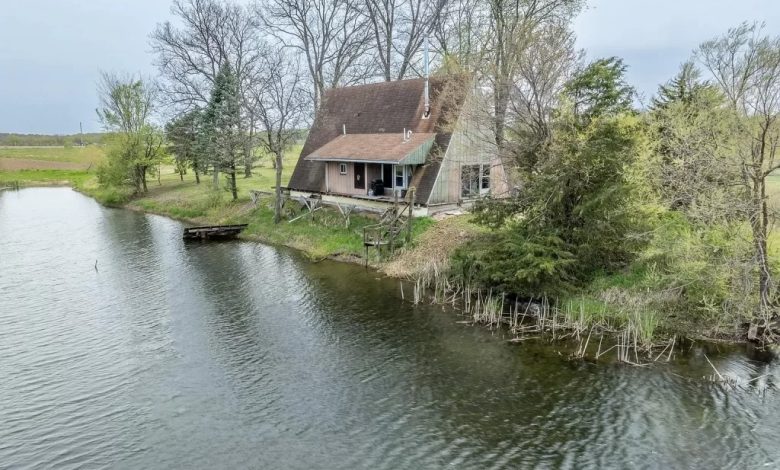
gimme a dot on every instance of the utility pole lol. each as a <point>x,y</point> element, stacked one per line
<point>81,135</point>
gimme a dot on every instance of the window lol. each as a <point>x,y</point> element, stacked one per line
<point>474,180</point>
<point>342,168</point>
<point>485,178</point>
<point>400,176</point>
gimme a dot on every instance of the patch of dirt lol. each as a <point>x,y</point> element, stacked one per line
<point>16,164</point>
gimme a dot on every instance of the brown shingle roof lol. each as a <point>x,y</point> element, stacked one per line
<point>377,108</point>
<point>384,148</point>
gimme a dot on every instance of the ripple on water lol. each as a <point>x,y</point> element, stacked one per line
<point>241,355</point>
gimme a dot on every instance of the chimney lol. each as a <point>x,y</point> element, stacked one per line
<point>427,111</point>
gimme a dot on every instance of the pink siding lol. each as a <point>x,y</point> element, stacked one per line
<point>345,184</point>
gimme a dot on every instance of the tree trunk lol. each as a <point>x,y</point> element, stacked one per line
<point>248,153</point>
<point>142,177</point>
<point>215,176</point>
<point>197,176</point>
<point>759,224</point>
<point>501,102</point>
<point>233,188</point>
<point>278,192</point>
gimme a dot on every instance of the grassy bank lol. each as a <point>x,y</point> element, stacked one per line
<point>321,236</point>
<point>324,235</point>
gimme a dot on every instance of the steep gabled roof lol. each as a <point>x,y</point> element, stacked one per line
<point>379,108</point>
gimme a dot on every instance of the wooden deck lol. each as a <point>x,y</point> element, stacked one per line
<point>213,232</point>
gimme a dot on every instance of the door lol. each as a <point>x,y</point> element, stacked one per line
<point>387,176</point>
<point>360,176</point>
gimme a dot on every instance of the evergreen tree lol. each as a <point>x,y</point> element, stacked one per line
<point>577,213</point>
<point>222,139</point>
<point>686,87</point>
<point>600,89</point>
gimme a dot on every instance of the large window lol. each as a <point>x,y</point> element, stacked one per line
<point>474,180</point>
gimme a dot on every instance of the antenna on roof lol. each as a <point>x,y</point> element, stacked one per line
<point>427,110</point>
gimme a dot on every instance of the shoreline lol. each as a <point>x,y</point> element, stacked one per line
<point>402,267</point>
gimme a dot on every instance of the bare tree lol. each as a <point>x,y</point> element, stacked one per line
<point>281,105</point>
<point>189,57</point>
<point>746,65</point>
<point>212,32</point>
<point>514,28</point>
<point>460,34</point>
<point>331,35</point>
<point>541,74</point>
<point>398,29</point>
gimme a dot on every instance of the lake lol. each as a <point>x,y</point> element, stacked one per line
<point>121,346</point>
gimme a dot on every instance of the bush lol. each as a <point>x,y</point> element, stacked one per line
<point>710,266</point>
<point>517,262</point>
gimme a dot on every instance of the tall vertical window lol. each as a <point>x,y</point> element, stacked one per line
<point>474,180</point>
<point>400,176</point>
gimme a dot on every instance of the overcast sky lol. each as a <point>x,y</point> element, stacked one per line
<point>51,51</point>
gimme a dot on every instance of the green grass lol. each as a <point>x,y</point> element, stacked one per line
<point>46,177</point>
<point>91,154</point>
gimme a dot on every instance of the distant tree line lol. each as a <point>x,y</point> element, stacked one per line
<point>49,140</point>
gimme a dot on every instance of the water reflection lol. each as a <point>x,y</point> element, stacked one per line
<point>238,354</point>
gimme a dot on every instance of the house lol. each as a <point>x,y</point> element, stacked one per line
<point>371,143</point>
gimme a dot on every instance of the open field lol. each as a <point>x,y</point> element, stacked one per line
<point>49,165</point>
<point>84,156</point>
<point>77,165</point>
<point>17,164</point>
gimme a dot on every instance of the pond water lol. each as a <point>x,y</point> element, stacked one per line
<point>123,347</point>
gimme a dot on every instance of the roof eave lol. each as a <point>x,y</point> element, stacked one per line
<point>351,160</point>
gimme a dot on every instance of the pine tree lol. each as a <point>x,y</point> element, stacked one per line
<point>222,139</point>
<point>686,87</point>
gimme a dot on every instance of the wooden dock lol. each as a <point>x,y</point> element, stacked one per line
<point>213,232</point>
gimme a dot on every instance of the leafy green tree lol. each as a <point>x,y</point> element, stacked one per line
<point>223,139</point>
<point>126,106</point>
<point>182,135</point>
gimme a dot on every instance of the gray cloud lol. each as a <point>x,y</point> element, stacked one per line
<point>51,51</point>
